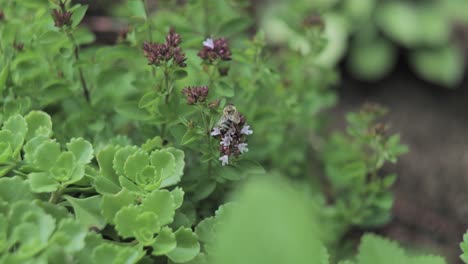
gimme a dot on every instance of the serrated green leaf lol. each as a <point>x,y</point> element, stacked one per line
<point>46,155</point>
<point>179,156</point>
<point>162,204</point>
<point>64,166</point>
<point>165,242</point>
<point>17,125</point>
<point>187,246</point>
<point>70,236</point>
<point>121,157</point>
<point>87,211</point>
<point>107,181</point>
<point>164,162</point>
<point>42,182</point>
<point>109,253</point>
<point>82,149</point>
<point>39,123</point>
<point>14,189</point>
<point>135,164</point>
<point>178,196</point>
<point>111,204</point>
<point>124,219</point>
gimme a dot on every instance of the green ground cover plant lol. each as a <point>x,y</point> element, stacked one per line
<point>191,140</point>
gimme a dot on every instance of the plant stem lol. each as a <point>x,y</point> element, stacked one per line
<point>76,51</point>
<point>206,10</point>
<point>55,196</point>
<point>82,190</point>
<point>208,136</point>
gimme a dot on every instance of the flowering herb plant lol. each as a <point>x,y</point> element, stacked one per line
<point>129,153</point>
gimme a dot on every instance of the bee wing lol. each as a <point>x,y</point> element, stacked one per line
<point>235,118</point>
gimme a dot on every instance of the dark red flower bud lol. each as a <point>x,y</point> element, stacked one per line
<point>218,51</point>
<point>157,53</point>
<point>195,94</point>
<point>2,15</point>
<point>173,39</point>
<point>61,18</point>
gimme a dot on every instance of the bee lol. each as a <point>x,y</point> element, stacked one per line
<point>230,117</point>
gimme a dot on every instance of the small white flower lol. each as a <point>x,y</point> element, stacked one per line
<point>226,140</point>
<point>242,147</point>
<point>224,160</point>
<point>215,131</point>
<point>246,130</point>
<point>209,43</point>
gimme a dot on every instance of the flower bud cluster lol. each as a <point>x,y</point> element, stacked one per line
<point>196,94</point>
<point>215,50</point>
<point>158,53</point>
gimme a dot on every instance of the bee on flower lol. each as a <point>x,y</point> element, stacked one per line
<point>232,132</point>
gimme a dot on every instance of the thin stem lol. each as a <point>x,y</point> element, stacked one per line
<point>82,190</point>
<point>208,136</point>
<point>55,196</point>
<point>147,13</point>
<point>80,70</point>
<point>206,10</point>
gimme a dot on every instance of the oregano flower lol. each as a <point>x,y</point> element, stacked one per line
<point>215,50</point>
<point>196,94</point>
<point>158,53</point>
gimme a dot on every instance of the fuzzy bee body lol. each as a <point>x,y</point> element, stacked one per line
<point>230,117</point>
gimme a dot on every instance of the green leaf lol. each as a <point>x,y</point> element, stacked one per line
<point>39,123</point>
<point>4,77</point>
<point>148,99</point>
<point>124,220</point>
<point>82,149</point>
<point>17,125</point>
<point>78,15</point>
<point>87,211</point>
<point>131,111</point>
<point>43,182</point>
<point>245,229</point>
<point>160,202</point>
<point>180,74</point>
<point>110,253</point>
<point>130,221</point>
<point>165,242</point>
<point>135,164</point>
<point>187,246</point>
<point>121,157</point>
<point>371,59</point>
<point>46,155</point>
<point>14,189</point>
<point>164,162</point>
<point>5,152</point>
<point>111,204</point>
<point>179,167</point>
<point>235,25</point>
<point>444,66</point>
<point>225,89</point>
<point>107,181</point>
<point>178,196</point>
<point>70,236</point>
<point>64,167</point>
<point>399,20</point>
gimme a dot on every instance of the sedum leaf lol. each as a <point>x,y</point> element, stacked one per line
<point>39,123</point>
<point>107,181</point>
<point>82,149</point>
<point>165,242</point>
<point>164,162</point>
<point>87,211</point>
<point>187,246</point>
<point>42,182</point>
<point>112,203</point>
<point>162,203</point>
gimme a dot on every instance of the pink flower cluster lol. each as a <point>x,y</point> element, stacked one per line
<point>214,50</point>
<point>157,53</point>
<point>196,94</point>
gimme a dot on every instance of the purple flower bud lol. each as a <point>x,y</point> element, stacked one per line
<point>61,18</point>
<point>215,50</point>
<point>195,94</point>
